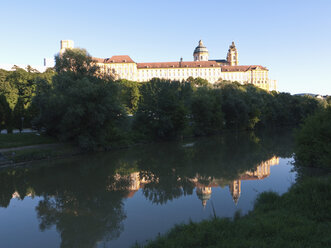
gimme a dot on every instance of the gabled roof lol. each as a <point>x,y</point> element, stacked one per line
<point>235,68</point>
<point>184,64</point>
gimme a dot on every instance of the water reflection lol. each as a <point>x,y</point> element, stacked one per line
<point>84,197</point>
<point>203,186</point>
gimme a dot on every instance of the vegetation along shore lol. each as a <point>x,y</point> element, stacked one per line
<point>78,107</point>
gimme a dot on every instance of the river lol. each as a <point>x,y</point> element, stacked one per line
<point>116,198</point>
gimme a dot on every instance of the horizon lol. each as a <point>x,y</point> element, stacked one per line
<point>290,39</point>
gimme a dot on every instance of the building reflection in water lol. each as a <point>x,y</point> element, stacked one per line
<point>135,181</point>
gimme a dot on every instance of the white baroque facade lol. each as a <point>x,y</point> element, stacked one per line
<point>123,67</point>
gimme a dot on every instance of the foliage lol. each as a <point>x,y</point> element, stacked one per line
<point>299,218</point>
<point>19,113</point>
<point>207,114</point>
<point>77,100</point>
<point>5,113</point>
<point>162,112</point>
<point>76,62</point>
<point>198,81</point>
<point>18,87</point>
<point>79,106</point>
<point>129,95</point>
<point>313,141</point>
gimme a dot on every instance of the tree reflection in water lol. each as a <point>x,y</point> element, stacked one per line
<point>83,196</point>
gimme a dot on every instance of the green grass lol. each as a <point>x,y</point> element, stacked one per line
<point>299,218</point>
<point>40,153</point>
<point>24,139</point>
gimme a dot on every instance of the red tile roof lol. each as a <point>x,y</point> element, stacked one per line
<point>98,60</point>
<point>212,185</point>
<point>246,177</point>
<point>184,64</point>
<point>242,68</point>
<point>116,59</point>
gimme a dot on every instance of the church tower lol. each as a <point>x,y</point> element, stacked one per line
<point>204,194</point>
<point>66,44</point>
<point>235,190</point>
<point>200,52</point>
<point>232,56</point>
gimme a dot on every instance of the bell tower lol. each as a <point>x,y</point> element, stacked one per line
<point>232,56</point>
<point>66,44</point>
<point>235,190</point>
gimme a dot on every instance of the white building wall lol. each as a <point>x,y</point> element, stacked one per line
<point>130,71</point>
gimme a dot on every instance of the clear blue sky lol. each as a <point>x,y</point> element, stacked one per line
<point>292,38</point>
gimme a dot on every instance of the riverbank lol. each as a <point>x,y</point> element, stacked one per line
<point>24,147</point>
<point>299,218</point>
<point>24,139</point>
<point>40,149</point>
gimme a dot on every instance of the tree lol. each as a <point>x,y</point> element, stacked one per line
<point>79,106</point>
<point>234,106</point>
<point>198,81</point>
<point>129,95</point>
<point>313,141</point>
<point>23,82</point>
<point>19,114</point>
<point>207,112</point>
<point>162,112</point>
<point>5,113</point>
<point>8,89</point>
<point>77,62</point>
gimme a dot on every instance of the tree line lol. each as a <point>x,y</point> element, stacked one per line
<point>17,91</point>
<point>77,103</point>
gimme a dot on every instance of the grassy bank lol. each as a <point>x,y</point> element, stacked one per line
<point>299,218</point>
<point>24,139</point>
<point>48,152</point>
<point>43,147</point>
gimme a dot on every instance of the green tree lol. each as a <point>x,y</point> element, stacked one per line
<point>129,95</point>
<point>234,106</point>
<point>8,89</point>
<point>23,82</point>
<point>207,112</point>
<point>161,113</point>
<point>198,81</point>
<point>19,114</point>
<point>313,141</point>
<point>5,113</point>
<point>77,62</point>
<point>79,106</point>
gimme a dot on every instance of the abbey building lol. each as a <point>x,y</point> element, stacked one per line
<point>213,70</point>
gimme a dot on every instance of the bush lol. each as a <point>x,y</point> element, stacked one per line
<point>313,141</point>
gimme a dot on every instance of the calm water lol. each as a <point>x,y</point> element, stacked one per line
<point>114,199</point>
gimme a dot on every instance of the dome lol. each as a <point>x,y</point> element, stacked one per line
<point>200,48</point>
<point>204,197</point>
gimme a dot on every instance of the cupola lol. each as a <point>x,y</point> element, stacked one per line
<point>200,52</point>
